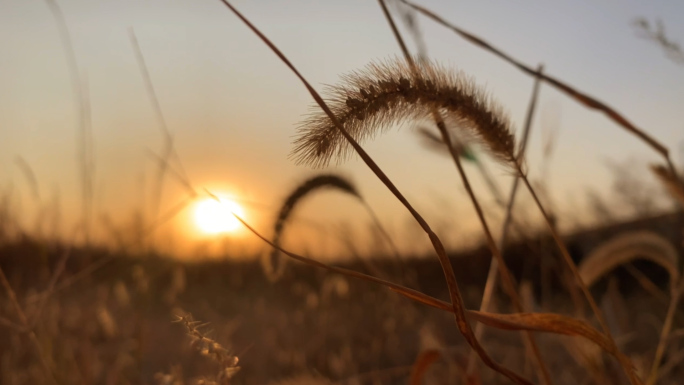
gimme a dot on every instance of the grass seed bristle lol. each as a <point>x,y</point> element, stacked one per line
<point>209,348</point>
<point>273,268</point>
<point>384,94</point>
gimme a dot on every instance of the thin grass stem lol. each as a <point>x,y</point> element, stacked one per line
<point>491,283</point>
<point>454,292</point>
<point>538,322</point>
<point>626,365</point>
<point>677,289</point>
<point>42,357</point>
<point>509,283</point>
<point>580,97</point>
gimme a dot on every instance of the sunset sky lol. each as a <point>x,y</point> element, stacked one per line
<point>233,108</point>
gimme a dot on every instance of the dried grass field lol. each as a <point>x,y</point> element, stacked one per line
<point>529,305</point>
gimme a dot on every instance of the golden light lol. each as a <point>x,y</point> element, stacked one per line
<point>216,217</point>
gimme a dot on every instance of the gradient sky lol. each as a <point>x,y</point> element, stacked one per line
<point>233,107</point>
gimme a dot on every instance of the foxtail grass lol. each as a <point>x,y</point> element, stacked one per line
<point>457,304</point>
<point>627,247</point>
<point>579,96</point>
<point>362,106</point>
<point>491,283</point>
<point>391,92</point>
<point>622,250</point>
<point>385,94</point>
<point>273,266</point>
<point>589,102</point>
<point>497,138</point>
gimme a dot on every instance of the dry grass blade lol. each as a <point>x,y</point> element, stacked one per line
<point>388,93</point>
<point>80,90</point>
<point>625,248</point>
<point>434,142</point>
<point>228,362</point>
<point>537,322</point>
<point>504,153</point>
<point>408,16</point>
<point>580,97</point>
<point>567,258</point>
<point>44,359</point>
<point>59,269</point>
<point>670,181</point>
<point>274,268</point>
<point>656,33</point>
<point>367,107</point>
<point>665,332</point>
<point>102,262</point>
<point>491,282</point>
<point>423,362</point>
<point>646,283</point>
<point>509,284</point>
<point>454,292</point>
<point>29,175</point>
<point>169,150</point>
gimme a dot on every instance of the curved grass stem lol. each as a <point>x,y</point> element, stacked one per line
<point>508,279</point>
<point>626,365</point>
<point>454,292</point>
<point>491,283</point>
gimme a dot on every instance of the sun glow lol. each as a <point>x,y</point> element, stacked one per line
<point>216,217</point>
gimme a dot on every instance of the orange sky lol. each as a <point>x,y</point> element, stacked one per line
<point>233,108</point>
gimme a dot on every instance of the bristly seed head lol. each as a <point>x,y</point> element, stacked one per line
<point>389,93</point>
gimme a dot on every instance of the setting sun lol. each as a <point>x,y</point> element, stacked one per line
<point>214,217</point>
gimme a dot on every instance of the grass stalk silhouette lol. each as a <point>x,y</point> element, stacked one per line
<point>274,268</point>
<point>365,109</point>
<point>581,97</point>
<point>47,293</point>
<point>537,322</point>
<point>589,102</point>
<point>168,150</point>
<point>644,245</point>
<point>30,176</point>
<point>44,359</point>
<point>495,142</point>
<point>676,295</point>
<point>491,282</point>
<point>382,95</point>
<point>507,155</point>
<point>434,142</point>
<point>454,292</point>
<point>626,365</point>
<point>669,180</point>
<point>85,157</point>
<point>417,99</point>
<point>510,287</point>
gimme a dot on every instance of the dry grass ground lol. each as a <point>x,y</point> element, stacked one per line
<point>115,325</point>
<point>88,316</point>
